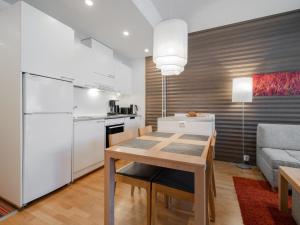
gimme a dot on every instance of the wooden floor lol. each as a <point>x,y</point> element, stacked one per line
<point>82,203</point>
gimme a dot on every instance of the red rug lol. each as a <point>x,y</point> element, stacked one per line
<point>259,204</point>
<point>5,209</point>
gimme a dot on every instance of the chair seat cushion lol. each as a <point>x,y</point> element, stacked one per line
<point>139,171</point>
<point>279,157</point>
<point>177,179</point>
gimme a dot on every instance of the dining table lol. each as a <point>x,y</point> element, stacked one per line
<point>170,150</point>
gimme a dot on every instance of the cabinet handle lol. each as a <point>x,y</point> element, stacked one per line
<point>67,78</point>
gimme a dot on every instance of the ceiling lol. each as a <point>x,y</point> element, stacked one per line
<point>205,14</point>
<point>107,19</point>
<point>3,5</point>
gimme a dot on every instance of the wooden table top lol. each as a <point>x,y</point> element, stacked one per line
<point>292,175</point>
<point>173,147</point>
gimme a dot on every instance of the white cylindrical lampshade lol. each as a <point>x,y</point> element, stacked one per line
<point>242,90</point>
<point>170,46</point>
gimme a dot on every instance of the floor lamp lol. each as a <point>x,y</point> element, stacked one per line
<point>242,92</point>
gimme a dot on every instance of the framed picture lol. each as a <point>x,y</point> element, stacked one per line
<point>276,84</point>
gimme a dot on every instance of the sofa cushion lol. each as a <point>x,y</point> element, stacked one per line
<point>279,157</point>
<point>278,136</point>
<point>295,154</point>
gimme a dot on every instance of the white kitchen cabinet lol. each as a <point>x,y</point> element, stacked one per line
<point>204,125</point>
<point>101,69</point>
<point>46,44</point>
<point>88,150</point>
<point>123,78</point>
<point>83,66</point>
<point>132,124</point>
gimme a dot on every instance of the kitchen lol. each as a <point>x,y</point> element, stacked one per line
<point>149,112</point>
<point>75,91</point>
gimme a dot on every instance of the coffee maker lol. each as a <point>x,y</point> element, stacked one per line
<point>113,108</point>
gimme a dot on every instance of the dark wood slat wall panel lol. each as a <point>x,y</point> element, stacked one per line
<point>216,56</point>
<point>153,93</point>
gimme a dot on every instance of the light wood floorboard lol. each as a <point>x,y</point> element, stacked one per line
<point>82,203</point>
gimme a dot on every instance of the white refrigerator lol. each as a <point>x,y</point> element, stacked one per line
<point>47,135</point>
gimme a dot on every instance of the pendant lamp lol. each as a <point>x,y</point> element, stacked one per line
<point>170,46</point>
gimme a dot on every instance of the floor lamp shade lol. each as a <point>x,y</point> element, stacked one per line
<point>242,90</point>
<point>170,46</point>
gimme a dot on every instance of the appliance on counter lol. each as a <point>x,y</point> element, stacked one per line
<point>47,132</point>
<point>113,108</point>
<point>125,110</point>
<point>133,109</point>
<point>113,126</point>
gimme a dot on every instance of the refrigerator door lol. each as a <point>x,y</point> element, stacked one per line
<point>47,154</point>
<point>47,95</point>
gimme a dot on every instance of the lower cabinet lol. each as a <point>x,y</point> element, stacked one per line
<point>186,127</point>
<point>88,149</point>
<point>133,124</point>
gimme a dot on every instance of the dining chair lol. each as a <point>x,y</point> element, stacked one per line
<point>180,185</point>
<point>141,131</point>
<point>145,130</point>
<point>213,178</point>
<point>135,174</point>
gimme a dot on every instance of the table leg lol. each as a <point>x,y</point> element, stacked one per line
<point>109,190</point>
<point>201,209</point>
<point>283,193</point>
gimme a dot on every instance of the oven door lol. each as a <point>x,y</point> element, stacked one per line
<point>113,129</point>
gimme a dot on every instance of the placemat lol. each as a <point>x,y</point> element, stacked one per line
<point>185,149</point>
<point>138,143</point>
<point>159,134</point>
<point>194,137</point>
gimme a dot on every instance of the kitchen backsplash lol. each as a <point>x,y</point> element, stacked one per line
<point>87,102</point>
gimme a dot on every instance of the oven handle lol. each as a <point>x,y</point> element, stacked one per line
<point>111,127</point>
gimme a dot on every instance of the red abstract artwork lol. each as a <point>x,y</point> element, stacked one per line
<point>276,84</point>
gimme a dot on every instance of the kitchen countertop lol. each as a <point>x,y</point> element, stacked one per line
<point>101,117</point>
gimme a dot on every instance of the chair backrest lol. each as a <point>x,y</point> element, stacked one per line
<point>145,130</point>
<point>278,136</point>
<point>118,138</point>
<point>209,160</point>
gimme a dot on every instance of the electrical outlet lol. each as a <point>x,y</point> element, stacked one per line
<point>246,158</point>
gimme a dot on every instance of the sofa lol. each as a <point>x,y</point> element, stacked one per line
<point>277,145</point>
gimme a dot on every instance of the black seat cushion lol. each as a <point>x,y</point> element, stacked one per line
<point>140,171</point>
<point>177,179</point>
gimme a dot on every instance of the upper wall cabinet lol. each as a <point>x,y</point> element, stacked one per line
<point>46,44</point>
<point>123,78</point>
<point>102,68</point>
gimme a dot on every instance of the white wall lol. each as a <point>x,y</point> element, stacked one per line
<point>138,96</point>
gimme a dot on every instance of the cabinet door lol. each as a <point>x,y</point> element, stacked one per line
<point>101,67</point>
<point>104,58</point>
<point>132,125</point>
<point>83,63</point>
<point>186,127</point>
<point>47,44</point>
<point>123,78</point>
<point>88,144</point>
